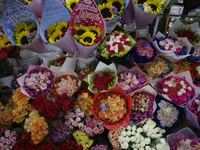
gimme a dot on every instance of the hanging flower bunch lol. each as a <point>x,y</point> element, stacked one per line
<point>113,136</point>
<point>26,2</point>
<point>25,33</point>
<point>147,137</point>
<point>177,89</point>
<point>47,108</point>
<point>8,141</point>
<point>68,84</point>
<point>142,107</point>
<point>70,4</point>
<point>85,100</point>
<point>130,81</point>
<point>102,80</point>
<point>63,102</point>
<point>117,44</point>
<point>152,6</point>
<point>14,83</point>
<point>4,42</point>
<point>56,31</point>
<point>70,145</point>
<point>82,139</point>
<point>159,68</point>
<point>181,142</point>
<point>195,108</point>
<point>93,126</point>
<point>74,118</point>
<point>86,35</point>
<point>59,61</point>
<point>110,10</point>
<point>39,81</point>
<point>111,107</point>
<point>192,36</point>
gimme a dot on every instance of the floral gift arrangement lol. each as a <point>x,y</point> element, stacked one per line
<point>145,137</point>
<point>112,107</point>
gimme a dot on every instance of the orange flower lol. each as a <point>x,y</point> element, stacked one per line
<point>103,102</point>
<point>110,116</point>
<point>121,102</point>
<point>112,108</point>
<point>101,115</point>
<point>117,113</point>
<point>124,110</point>
<point>112,100</point>
<point>118,105</point>
<point>114,96</point>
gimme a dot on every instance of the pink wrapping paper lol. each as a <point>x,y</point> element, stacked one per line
<point>37,6</point>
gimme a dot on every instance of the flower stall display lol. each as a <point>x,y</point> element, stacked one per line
<point>183,139</point>
<point>173,49</point>
<point>74,118</point>
<point>131,79</point>
<point>178,88</point>
<point>85,100</point>
<point>92,126</point>
<point>82,139</point>
<point>143,104</point>
<point>113,136</point>
<point>113,107</point>
<point>37,81</point>
<point>191,32</point>
<point>159,68</point>
<point>116,45</point>
<point>143,52</point>
<point>71,144</point>
<point>104,78</point>
<point>145,137</point>
<point>8,141</point>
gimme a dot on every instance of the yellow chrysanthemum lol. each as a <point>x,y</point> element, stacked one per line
<point>62,26</point>
<point>22,38</point>
<point>87,38</point>
<point>81,29</point>
<point>55,37</point>
<point>155,6</point>
<point>138,2</point>
<point>71,4</point>
<point>105,10</point>
<point>21,27</point>
<point>94,29</point>
<point>119,4</point>
<point>32,28</point>
<point>51,29</point>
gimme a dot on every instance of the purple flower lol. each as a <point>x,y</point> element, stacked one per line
<point>114,10</point>
<point>107,20</point>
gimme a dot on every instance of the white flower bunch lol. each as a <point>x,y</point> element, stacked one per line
<point>141,138</point>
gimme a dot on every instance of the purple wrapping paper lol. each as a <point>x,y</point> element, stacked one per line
<point>128,14</point>
<point>191,118</point>
<point>37,6</point>
<point>183,131</point>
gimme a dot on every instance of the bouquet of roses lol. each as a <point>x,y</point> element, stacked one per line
<point>92,126</point>
<point>74,118</point>
<point>113,136</point>
<point>64,102</point>
<point>9,140</point>
<point>147,137</point>
<point>177,89</point>
<point>70,145</point>
<point>47,108</point>
<point>83,73</point>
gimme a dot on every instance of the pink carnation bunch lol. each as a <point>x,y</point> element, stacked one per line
<point>8,141</point>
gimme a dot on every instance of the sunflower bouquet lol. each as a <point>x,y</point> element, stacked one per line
<point>152,6</point>
<point>70,4</point>
<point>87,35</point>
<point>24,33</point>
<point>26,2</point>
<point>5,42</point>
<point>56,31</point>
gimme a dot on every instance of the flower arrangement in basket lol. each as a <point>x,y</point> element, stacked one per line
<point>146,136</point>
<point>112,107</point>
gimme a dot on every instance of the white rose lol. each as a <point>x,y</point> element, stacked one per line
<point>182,91</point>
<point>120,139</point>
<point>147,141</point>
<point>149,134</point>
<point>133,127</point>
<point>124,145</point>
<point>165,90</point>
<point>142,144</point>
<point>162,146</point>
<point>182,82</point>
<point>128,133</point>
<point>129,127</point>
<point>133,139</point>
<point>127,139</point>
<point>123,133</point>
<point>141,148</point>
<point>137,145</point>
<point>147,147</point>
<point>189,88</point>
<point>179,93</point>
<point>133,132</point>
<point>162,131</point>
<point>162,140</point>
<point>145,128</point>
<point>133,146</point>
<point>139,130</point>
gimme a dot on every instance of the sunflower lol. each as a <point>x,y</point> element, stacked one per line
<point>62,26</point>
<point>119,4</point>
<point>87,38</point>
<point>140,2</point>
<point>32,28</point>
<point>105,10</point>
<point>21,27</point>
<point>155,6</point>
<point>94,29</point>
<point>71,4</point>
<point>5,42</point>
<point>22,38</point>
<point>81,29</point>
<point>51,29</point>
<point>27,1</point>
<point>56,36</point>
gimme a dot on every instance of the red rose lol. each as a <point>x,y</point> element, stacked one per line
<point>120,48</point>
<point>115,43</point>
<point>116,34</point>
<point>73,31</point>
<point>122,39</point>
<point>112,52</point>
<point>3,55</point>
<point>124,36</point>
<point>80,147</point>
<point>96,41</point>
<point>108,39</point>
<point>62,35</point>
<point>108,48</point>
<point>127,43</point>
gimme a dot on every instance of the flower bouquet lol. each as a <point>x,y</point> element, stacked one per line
<point>112,107</point>
<point>167,115</point>
<point>113,136</point>
<point>171,48</point>
<point>143,104</point>
<point>131,79</point>
<point>9,140</point>
<point>85,100</point>
<point>159,68</point>
<point>147,137</point>
<point>37,81</point>
<point>83,73</point>
<point>178,88</point>
<point>28,122</point>
<point>70,4</point>
<point>143,52</point>
<point>191,32</point>
<point>195,54</point>
<point>183,139</point>
<point>64,102</point>
<point>104,78</point>
<point>74,118</point>
<point>116,46</point>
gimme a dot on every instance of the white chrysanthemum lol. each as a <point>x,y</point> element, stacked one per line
<point>123,133</point>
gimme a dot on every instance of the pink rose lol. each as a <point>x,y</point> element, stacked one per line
<point>80,125</point>
<point>89,125</point>
<point>88,130</point>
<point>83,128</point>
<point>99,122</point>
<point>74,123</point>
<point>101,131</point>
<point>88,119</point>
<point>42,77</point>
<point>71,127</point>
<point>95,130</point>
<point>67,123</point>
<point>43,86</point>
<point>48,81</point>
<point>90,134</point>
<point>78,119</point>
<point>91,121</point>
